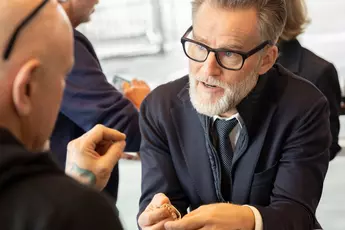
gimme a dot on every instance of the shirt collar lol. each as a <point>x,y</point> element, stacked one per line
<point>236,115</point>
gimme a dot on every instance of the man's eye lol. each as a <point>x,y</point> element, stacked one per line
<point>201,47</point>
<point>228,54</point>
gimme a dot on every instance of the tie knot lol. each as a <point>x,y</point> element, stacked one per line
<point>224,127</point>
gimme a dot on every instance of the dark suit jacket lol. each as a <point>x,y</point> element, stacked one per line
<point>89,100</point>
<point>322,74</point>
<point>36,194</point>
<point>280,160</point>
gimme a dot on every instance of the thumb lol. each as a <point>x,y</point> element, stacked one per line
<point>159,199</point>
<point>113,154</point>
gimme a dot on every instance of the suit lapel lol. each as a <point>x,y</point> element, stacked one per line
<point>241,145</point>
<point>191,137</point>
<point>256,111</point>
<point>249,110</point>
<point>244,167</point>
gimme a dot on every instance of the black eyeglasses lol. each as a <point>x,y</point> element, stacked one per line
<point>226,58</point>
<point>9,47</point>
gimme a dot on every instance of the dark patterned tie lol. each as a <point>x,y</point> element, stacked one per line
<point>225,153</point>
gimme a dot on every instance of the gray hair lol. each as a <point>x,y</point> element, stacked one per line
<point>271,13</point>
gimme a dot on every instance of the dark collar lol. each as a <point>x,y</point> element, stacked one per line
<point>78,36</point>
<point>18,164</point>
<point>6,137</point>
<point>290,55</point>
<point>250,105</point>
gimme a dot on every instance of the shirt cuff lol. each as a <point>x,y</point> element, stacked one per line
<point>257,217</point>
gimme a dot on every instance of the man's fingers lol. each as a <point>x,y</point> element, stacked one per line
<point>148,218</point>
<point>193,213</point>
<point>159,225</point>
<point>113,154</point>
<point>101,133</point>
<point>135,82</point>
<point>143,84</point>
<point>126,86</point>
<point>159,199</point>
<point>139,83</point>
<point>191,223</point>
<point>153,214</point>
<point>128,93</point>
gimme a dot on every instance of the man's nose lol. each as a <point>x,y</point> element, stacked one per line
<point>211,66</point>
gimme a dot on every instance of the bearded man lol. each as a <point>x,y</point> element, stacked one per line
<point>241,142</point>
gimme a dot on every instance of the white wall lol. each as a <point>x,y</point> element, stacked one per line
<point>326,33</point>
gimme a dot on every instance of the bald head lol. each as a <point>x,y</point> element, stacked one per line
<point>48,27</point>
<point>32,78</point>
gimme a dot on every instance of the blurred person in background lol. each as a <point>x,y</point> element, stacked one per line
<point>89,99</point>
<point>308,65</point>
<point>36,43</point>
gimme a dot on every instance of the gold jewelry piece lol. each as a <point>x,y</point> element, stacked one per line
<point>176,215</point>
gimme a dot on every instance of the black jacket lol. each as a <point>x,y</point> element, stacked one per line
<point>35,194</point>
<point>89,100</point>
<point>280,160</point>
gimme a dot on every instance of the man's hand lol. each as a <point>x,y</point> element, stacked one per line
<point>136,91</point>
<point>92,157</point>
<point>215,216</point>
<point>154,217</point>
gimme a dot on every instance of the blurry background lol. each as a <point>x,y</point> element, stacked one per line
<point>141,39</point>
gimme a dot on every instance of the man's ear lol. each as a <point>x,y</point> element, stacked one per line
<point>22,87</point>
<point>268,59</point>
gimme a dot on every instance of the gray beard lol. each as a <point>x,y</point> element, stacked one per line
<point>233,94</point>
